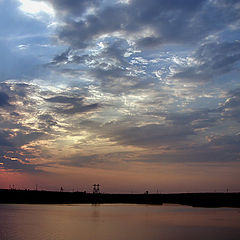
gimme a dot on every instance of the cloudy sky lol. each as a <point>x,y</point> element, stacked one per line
<point>135,95</point>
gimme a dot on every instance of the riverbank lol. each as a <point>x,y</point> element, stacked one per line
<point>51,197</point>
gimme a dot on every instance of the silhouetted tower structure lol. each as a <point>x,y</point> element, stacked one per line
<point>96,188</point>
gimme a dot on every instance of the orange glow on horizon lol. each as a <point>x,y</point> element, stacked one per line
<point>138,178</point>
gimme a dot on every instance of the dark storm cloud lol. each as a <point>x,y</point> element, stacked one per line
<point>10,138</point>
<point>213,59</point>
<point>17,104</point>
<point>196,155</point>
<point>113,52</point>
<point>4,138</point>
<point>21,155</point>
<point>152,135</point>
<point>179,142</point>
<point>196,119</point>
<point>75,7</point>
<point>4,98</point>
<point>69,57</point>
<point>167,20</point>
<point>79,34</point>
<point>15,165</point>
<point>46,121</point>
<point>170,22</point>
<point>114,79</point>
<point>224,149</point>
<point>176,130</point>
<point>71,105</point>
<point>11,93</point>
<point>24,138</point>
<point>21,90</point>
<point>61,58</point>
<point>232,142</point>
<point>64,99</point>
<point>12,156</point>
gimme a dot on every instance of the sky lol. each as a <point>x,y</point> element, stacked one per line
<point>134,95</point>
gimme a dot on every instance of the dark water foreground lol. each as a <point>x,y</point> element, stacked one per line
<point>117,222</point>
<point>50,197</point>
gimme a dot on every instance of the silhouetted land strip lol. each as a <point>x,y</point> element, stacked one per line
<point>51,197</point>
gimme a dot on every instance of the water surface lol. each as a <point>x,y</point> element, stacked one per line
<point>117,222</point>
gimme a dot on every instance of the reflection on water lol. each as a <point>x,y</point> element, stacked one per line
<point>118,222</point>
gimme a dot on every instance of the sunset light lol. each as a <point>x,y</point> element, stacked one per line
<point>119,119</point>
<point>133,95</point>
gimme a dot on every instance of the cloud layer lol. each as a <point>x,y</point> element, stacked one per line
<point>114,84</point>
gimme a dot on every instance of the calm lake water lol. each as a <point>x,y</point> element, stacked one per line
<point>117,222</point>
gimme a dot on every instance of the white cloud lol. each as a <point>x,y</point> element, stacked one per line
<point>35,7</point>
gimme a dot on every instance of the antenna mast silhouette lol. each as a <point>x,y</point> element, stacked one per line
<point>96,189</point>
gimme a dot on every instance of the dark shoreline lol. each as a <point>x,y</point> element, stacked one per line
<point>51,197</point>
